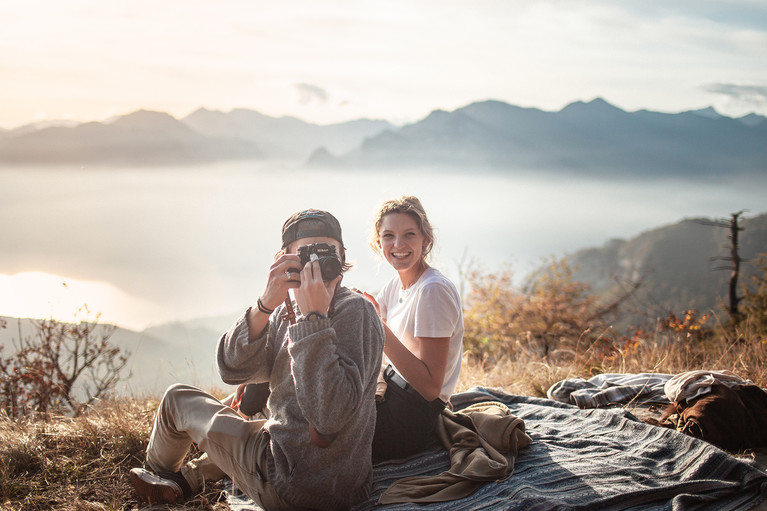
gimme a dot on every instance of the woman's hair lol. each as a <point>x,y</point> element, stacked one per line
<point>408,205</point>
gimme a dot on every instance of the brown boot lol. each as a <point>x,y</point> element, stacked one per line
<point>162,488</point>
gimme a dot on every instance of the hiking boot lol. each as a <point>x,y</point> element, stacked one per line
<point>162,488</point>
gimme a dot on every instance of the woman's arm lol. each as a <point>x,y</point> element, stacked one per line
<point>423,364</point>
<point>423,360</point>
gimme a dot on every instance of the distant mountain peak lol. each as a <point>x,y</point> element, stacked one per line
<point>437,114</point>
<point>708,112</point>
<point>147,119</point>
<point>596,105</point>
<point>601,102</point>
<point>202,111</point>
<point>752,120</point>
<point>147,114</point>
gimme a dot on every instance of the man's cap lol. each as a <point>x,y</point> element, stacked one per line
<point>322,224</point>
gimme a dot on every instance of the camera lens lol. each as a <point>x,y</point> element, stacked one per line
<point>330,267</point>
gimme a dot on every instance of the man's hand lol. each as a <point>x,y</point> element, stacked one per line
<point>281,280</point>
<point>313,294</point>
<point>319,439</point>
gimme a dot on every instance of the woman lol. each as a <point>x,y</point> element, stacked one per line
<point>423,322</point>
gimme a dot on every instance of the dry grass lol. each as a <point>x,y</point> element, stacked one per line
<point>526,371</point>
<point>82,463</point>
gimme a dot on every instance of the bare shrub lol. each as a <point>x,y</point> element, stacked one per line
<point>64,367</point>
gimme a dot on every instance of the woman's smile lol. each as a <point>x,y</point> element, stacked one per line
<point>402,244</point>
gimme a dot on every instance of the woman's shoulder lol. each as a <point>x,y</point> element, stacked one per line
<point>432,275</point>
<point>435,279</point>
<point>391,286</point>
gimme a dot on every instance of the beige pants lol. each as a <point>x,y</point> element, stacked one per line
<point>233,445</point>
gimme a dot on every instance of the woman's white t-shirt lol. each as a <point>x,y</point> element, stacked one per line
<point>431,307</point>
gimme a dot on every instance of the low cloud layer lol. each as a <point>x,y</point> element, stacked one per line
<point>753,95</point>
<point>308,93</point>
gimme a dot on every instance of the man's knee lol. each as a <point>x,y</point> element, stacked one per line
<point>176,392</point>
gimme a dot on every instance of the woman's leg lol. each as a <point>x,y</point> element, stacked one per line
<point>404,425</point>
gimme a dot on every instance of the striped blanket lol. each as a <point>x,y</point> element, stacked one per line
<point>592,459</point>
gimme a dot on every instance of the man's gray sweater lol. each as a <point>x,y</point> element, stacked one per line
<point>320,372</point>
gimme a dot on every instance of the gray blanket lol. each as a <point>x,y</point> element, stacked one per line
<point>592,459</point>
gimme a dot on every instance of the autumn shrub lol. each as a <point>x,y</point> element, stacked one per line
<point>551,314</point>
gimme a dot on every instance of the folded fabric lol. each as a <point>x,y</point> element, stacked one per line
<point>483,441</point>
<point>611,388</point>
<point>691,384</point>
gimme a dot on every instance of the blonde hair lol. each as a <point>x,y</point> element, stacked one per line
<point>408,205</point>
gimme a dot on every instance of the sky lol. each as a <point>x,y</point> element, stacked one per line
<point>337,60</point>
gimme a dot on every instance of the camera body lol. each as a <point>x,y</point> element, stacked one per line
<point>330,264</point>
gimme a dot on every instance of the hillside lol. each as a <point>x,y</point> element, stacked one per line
<point>676,264</point>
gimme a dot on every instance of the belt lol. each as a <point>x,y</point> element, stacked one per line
<point>395,378</point>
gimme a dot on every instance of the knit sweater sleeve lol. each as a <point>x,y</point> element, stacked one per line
<point>332,361</point>
<point>242,360</point>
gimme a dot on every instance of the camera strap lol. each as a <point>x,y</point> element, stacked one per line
<point>289,314</point>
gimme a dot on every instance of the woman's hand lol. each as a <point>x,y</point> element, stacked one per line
<point>283,275</point>
<point>313,294</point>
<point>372,300</point>
<point>235,399</point>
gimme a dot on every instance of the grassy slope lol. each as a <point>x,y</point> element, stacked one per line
<point>82,463</point>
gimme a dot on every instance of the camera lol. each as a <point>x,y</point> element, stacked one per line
<point>330,264</point>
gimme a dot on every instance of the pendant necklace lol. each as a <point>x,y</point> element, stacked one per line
<point>404,292</point>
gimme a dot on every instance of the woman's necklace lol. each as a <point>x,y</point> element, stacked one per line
<point>405,291</point>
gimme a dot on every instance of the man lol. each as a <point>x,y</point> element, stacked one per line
<point>322,363</point>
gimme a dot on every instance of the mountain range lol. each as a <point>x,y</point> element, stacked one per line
<point>587,137</point>
<point>595,138</point>
<point>148,138</point>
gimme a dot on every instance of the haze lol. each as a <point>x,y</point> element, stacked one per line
<point>146,246</point>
